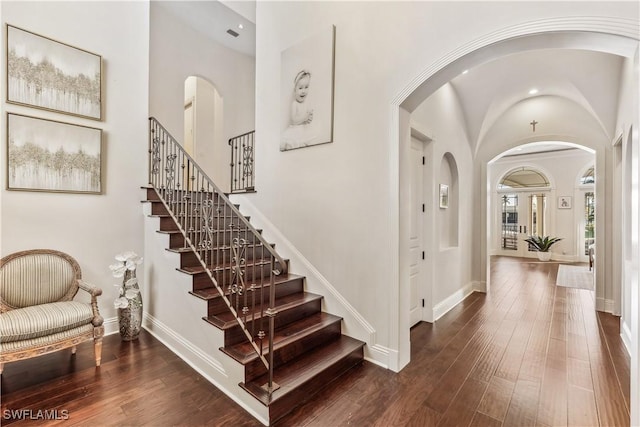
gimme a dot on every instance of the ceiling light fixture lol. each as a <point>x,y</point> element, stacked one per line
<point>465,71</point>
<point>240,26</point>
<point>533,91</point>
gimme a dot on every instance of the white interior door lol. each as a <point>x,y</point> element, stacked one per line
<point>416,246</point>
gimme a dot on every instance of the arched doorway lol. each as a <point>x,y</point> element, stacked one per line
<point>574,32</point>
<point>204,129</point>
<point>522,199</point>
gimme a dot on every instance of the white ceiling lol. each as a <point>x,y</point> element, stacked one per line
<point>213,19</point>
<point>590,79</point>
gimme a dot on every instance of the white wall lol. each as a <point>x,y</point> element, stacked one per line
<point>348,190</point>
<point>176,52</point>
<point>91,228</point>
<point>450,251</point>
<point>627,127</point>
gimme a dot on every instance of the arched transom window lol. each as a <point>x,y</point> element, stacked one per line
<point>523,177</point>
<point>589,177</point>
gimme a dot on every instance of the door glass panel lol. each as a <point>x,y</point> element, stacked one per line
<point>589,220</point>
<point>537,207</point>
<point>510,222</point>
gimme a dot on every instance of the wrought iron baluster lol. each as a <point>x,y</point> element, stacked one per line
<point>209,222</point>
<point>242,162</point>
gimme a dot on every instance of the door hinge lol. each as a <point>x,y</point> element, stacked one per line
<point>423,160</point>
<point>423,302</point>
<point>423,207</point>
<point>422,254</point>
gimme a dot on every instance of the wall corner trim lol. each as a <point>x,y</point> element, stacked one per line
<point>625,334</point>
<point>454,299</point>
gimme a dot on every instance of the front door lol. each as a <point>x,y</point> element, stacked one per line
<point>522,214</point>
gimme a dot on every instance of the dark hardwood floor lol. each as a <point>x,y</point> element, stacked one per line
<point>529,353</point>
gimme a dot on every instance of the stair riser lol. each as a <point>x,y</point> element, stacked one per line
<point>202,281</point>
<point>226,224</point>
<point>215,257</point>
<point>283,406</point>
<point>157,208</point>
<point>235,335</point>
<point>217,305</point>
<point>176,240</point>
<point>283,355</point>
<point>179,195</point>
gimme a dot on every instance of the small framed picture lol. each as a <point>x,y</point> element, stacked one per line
<point>564,202</point>
<point>444,196</point>
<point>46,155</point>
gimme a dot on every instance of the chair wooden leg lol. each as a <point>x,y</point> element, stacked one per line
<point>97,350</point>
<point>74,349</point>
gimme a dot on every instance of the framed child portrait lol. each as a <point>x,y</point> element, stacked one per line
<point>306,92</point>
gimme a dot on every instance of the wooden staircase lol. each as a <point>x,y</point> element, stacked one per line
<point>308,346</point>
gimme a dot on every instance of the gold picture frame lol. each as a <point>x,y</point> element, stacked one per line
<point>51,75</point>
<point>51,156</point>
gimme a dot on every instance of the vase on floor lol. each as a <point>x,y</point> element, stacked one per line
<point>130,317</point>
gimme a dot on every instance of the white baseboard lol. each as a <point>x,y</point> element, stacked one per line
<point>625,334</point>
<point>479,286</point>
<point>197,359</point>
<point>111,326</point>
<point>606,305</point>
<point>380,355</point>
<point>454,299</point>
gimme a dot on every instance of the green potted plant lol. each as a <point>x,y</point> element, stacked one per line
<point>542,244</point>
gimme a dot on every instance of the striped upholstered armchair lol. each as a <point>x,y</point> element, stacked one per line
<point>37,314</point>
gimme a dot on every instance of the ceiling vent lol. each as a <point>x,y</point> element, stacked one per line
<point>233,33</point>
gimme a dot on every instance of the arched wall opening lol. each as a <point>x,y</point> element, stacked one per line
<point>204,129</point>
<point>574,32</point>
<point>545,201</point>
<point>448,214</point>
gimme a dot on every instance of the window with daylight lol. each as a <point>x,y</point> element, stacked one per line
<point>523,177</point>
<point>589,177</point>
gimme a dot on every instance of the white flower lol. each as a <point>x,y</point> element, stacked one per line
<point>131,293</point>
<point>126,261</point>
<point>121,302</point>
<point>117,269</point>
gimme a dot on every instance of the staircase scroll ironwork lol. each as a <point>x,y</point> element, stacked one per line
<point>242,160</point>
<point>239,261</point>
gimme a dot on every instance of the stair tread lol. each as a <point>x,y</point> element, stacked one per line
<point>244,353</point>
<point>226,320</point>
<point>303,369</point>
<point>212,292</point>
